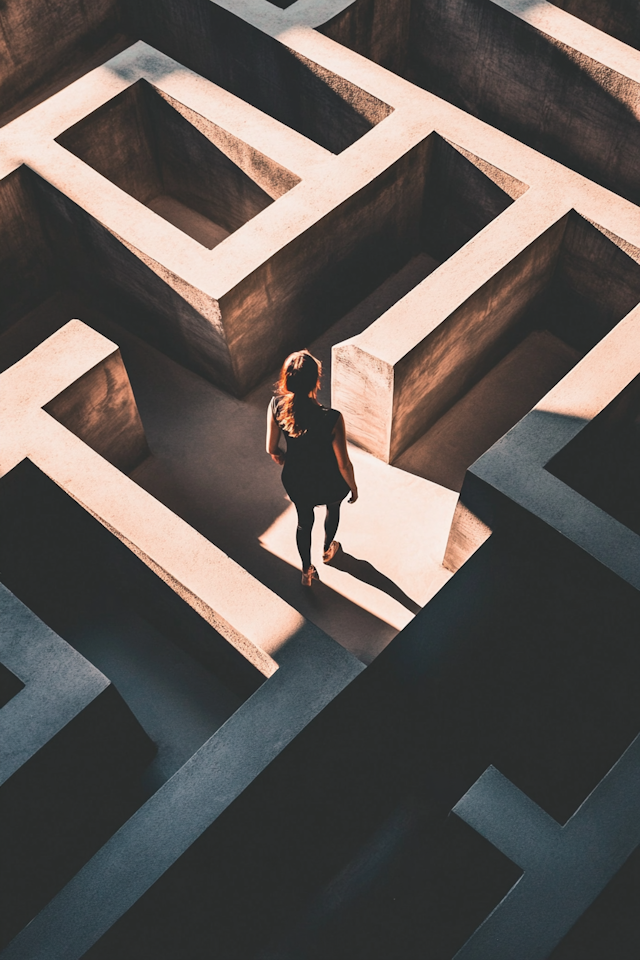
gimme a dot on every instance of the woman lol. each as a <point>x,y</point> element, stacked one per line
<point>317,469</point>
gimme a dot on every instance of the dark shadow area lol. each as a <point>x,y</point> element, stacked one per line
<point>366,312</point>
<point>46,46</point>
<point>611,925</point>
<point>180,678</point>
<point>511,665</point>
<point>495,66</point>
<point>527,659</point>
<point>10,685</point>
<point>542,313</point>
<point>619,18</point>
<point>603,462</point>
<point>365,571</point>
<point>70,570</point>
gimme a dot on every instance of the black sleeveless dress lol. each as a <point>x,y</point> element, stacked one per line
<point>310,474</point>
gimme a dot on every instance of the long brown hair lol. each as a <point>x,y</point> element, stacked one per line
<point>299,377</point>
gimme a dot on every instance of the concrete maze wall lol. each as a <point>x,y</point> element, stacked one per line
<point>436,753</point>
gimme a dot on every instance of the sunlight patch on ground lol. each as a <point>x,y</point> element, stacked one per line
<point>393,541</point>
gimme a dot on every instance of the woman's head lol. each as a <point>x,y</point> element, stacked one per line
<point>297,385</point>
<point>300,374</point>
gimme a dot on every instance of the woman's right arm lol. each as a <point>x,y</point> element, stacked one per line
<point>273,438</point>
<point>342,456</point>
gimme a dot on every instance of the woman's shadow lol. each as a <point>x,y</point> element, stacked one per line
<point>363,570</point>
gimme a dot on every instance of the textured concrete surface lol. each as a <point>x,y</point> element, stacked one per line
<point>70,752</point>
<point>473,424</point>
<point>517,473</point>
<point>439,199</point>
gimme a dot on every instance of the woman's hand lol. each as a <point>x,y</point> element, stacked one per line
<point>277,457</point>
<point>354,495</point>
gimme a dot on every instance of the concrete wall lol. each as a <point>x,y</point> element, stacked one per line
<point>118,141</point>
<point>494,65</point>
<point>462,196</point>
<point>196,172</point>
<point>433,199</point>
<point>499,68</point>
<point>619,18</point>
<point>98,263</point>
<point>378,29</point>
<point>603,462</point>
<point>572,280</point>
<point>57,559</point>
<point>71,752</point>
<point>144,146</point>
<point>232,53</point>
<point>27,272</point>
<point>44,42</point>
<point>100,408</point>
<point>509,652</point>
<point>443,366</point>
<point>339,260</point>
<point>597,282</point>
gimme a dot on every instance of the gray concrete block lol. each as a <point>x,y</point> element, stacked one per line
<point>70,751</point>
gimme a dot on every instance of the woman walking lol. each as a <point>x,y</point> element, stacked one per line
<point>317,469</point>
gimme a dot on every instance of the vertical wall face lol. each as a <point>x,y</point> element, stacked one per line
<point>44,41</point>
<point>96,261</point>
<point>596,284</point>
<point>378,29</point>
<point>118,140</point>
<point>459,201</point>
<point>494,65</point>
<point>344,257</point>
<point>603,462</point>
<point>70,754</point>
<point>574,282</point>
<point>100,409</point>
<point>459,273</point>
<point>619,18</point>
<point>225,49</point>
<point>27,272</point>
<point>144,146</point>
<point>465,347</point>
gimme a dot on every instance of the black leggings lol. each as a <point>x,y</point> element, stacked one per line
<point>306,516</point>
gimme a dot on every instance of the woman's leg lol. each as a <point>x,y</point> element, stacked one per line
<point>331,522</point>
<point>306,517</point>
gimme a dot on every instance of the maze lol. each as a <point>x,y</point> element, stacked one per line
<point>436,753</point>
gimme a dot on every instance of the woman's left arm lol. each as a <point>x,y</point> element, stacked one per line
<point>273,438</point>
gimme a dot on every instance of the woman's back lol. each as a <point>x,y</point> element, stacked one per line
<point>311,473</point>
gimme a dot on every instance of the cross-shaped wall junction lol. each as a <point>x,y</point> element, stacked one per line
<point>433,751</point>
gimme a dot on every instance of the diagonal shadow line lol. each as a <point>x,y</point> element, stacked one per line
<point>365,571</point>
